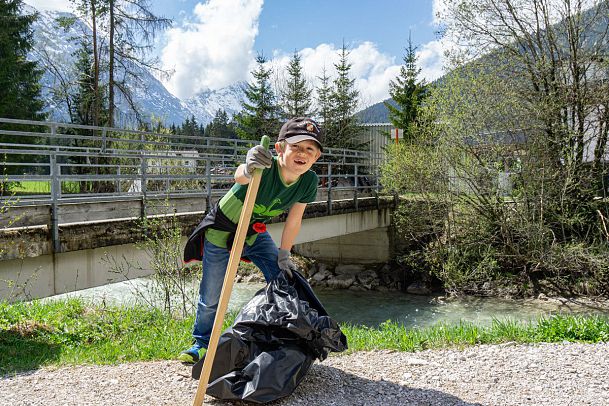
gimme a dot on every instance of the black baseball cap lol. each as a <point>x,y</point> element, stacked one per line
<point>299,129</point>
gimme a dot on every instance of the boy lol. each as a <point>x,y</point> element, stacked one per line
<point>288,183</point>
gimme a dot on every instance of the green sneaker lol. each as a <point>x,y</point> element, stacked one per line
<point>192,355</point>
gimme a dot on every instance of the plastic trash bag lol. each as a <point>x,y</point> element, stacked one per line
<point>273,342</point>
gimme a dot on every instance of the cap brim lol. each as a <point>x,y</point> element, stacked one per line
<point>303,137</point>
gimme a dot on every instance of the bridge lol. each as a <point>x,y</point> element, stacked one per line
<point>80,197</point>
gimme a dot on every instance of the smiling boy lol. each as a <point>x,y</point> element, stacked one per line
<point>287,184</point>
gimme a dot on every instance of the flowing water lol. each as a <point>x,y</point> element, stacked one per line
<point>368,308</point>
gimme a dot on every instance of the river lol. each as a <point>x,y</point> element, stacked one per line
<point>369,308</point>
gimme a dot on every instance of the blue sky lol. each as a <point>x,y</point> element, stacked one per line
<point>213,43</point>
<point>298,24</point>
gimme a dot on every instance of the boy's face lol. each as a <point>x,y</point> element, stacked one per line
<point>298,157</point>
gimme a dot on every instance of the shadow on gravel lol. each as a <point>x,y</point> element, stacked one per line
<point>21,353</point>
<point>326,385</point>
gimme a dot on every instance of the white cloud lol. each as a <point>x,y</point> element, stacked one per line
<point>431,59</point>
<point>438,8</point>
<point>371,69</point>
<point>215,49</point>
<point>47,5</point>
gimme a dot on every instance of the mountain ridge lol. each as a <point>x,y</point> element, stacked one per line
<point>54,49</point>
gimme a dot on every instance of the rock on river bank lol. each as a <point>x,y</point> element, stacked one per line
<point>507,374</point>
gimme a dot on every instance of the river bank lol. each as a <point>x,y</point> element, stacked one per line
<point>506,374</point>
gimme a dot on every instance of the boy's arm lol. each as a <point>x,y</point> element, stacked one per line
<point>292,225</point>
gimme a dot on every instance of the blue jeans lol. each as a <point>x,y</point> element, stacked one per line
<point>263,253</point>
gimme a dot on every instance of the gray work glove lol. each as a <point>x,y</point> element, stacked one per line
<point>285,263</point>
<point>257,157</point>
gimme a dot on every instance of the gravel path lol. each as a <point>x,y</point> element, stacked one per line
<point>543,374</point>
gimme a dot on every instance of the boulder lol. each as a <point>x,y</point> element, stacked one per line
<point>340,282</point>
<point>368,279</point>
<point>322,275</point>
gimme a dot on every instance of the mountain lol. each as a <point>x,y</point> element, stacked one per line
<point>54,48</point>
<point>205,105</point>
<point>377,113</point>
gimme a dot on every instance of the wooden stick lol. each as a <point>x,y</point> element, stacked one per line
<point>229,279</point>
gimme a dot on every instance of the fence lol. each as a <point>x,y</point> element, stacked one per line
<point>46,163</point>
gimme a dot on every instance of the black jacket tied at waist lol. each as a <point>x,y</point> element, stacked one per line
<point>193,251</point>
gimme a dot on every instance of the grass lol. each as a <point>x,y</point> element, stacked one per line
<point>43,187</point>
<point>73,332</point>
<point>32,187</point>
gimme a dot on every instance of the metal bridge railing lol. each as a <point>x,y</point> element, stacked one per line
<point>46,162</point>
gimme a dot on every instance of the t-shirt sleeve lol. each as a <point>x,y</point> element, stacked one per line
<point>310,193</point>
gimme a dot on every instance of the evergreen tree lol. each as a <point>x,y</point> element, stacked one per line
<point>19,83</point>
<point>260,112</point>
<point>19,78</point>
<point>343,130</point>
<point>324,105</point>
<point>220,127</point>
<point>189,128</point>
<point>408,93</point>
<point>296,95</point>
<point>85,108</point>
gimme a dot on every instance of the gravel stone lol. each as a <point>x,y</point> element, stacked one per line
<point>539,374</point>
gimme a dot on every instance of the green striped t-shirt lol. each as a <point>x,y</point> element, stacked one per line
<point>274,198</point>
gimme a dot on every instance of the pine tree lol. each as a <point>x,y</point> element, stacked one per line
<point>260,112</point>
<point>85,108</point>
<point>324,106</point>
<point>189,128</point>
<point>19,78</point>
<point>19,82</point>
<point>343,130</point>
<point>408,94</point>
<point>296,95</point>
<point>220,127</point>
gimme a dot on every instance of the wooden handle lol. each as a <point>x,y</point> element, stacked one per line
<point>229,278</point>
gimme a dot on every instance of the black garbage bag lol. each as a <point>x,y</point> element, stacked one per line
<point>273,342</point>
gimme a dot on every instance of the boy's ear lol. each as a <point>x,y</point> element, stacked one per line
<point>278,148</point>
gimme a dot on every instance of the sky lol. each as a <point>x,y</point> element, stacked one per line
<point>214,43</point>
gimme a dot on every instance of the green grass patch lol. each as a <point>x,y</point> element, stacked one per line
<point>76,332</point>
<point>391,335</point>
<point>32,187</point>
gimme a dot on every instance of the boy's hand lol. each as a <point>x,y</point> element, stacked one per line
<point>285,263</point>
<point>257,157</point>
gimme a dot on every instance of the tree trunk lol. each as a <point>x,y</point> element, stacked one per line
<point>96,101</point>
<point>111,68</point>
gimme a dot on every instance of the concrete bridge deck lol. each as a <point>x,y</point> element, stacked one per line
<point>353,228</point>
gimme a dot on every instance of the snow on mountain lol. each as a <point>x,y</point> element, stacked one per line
<point>54,48</point>
<point>207,103</point>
